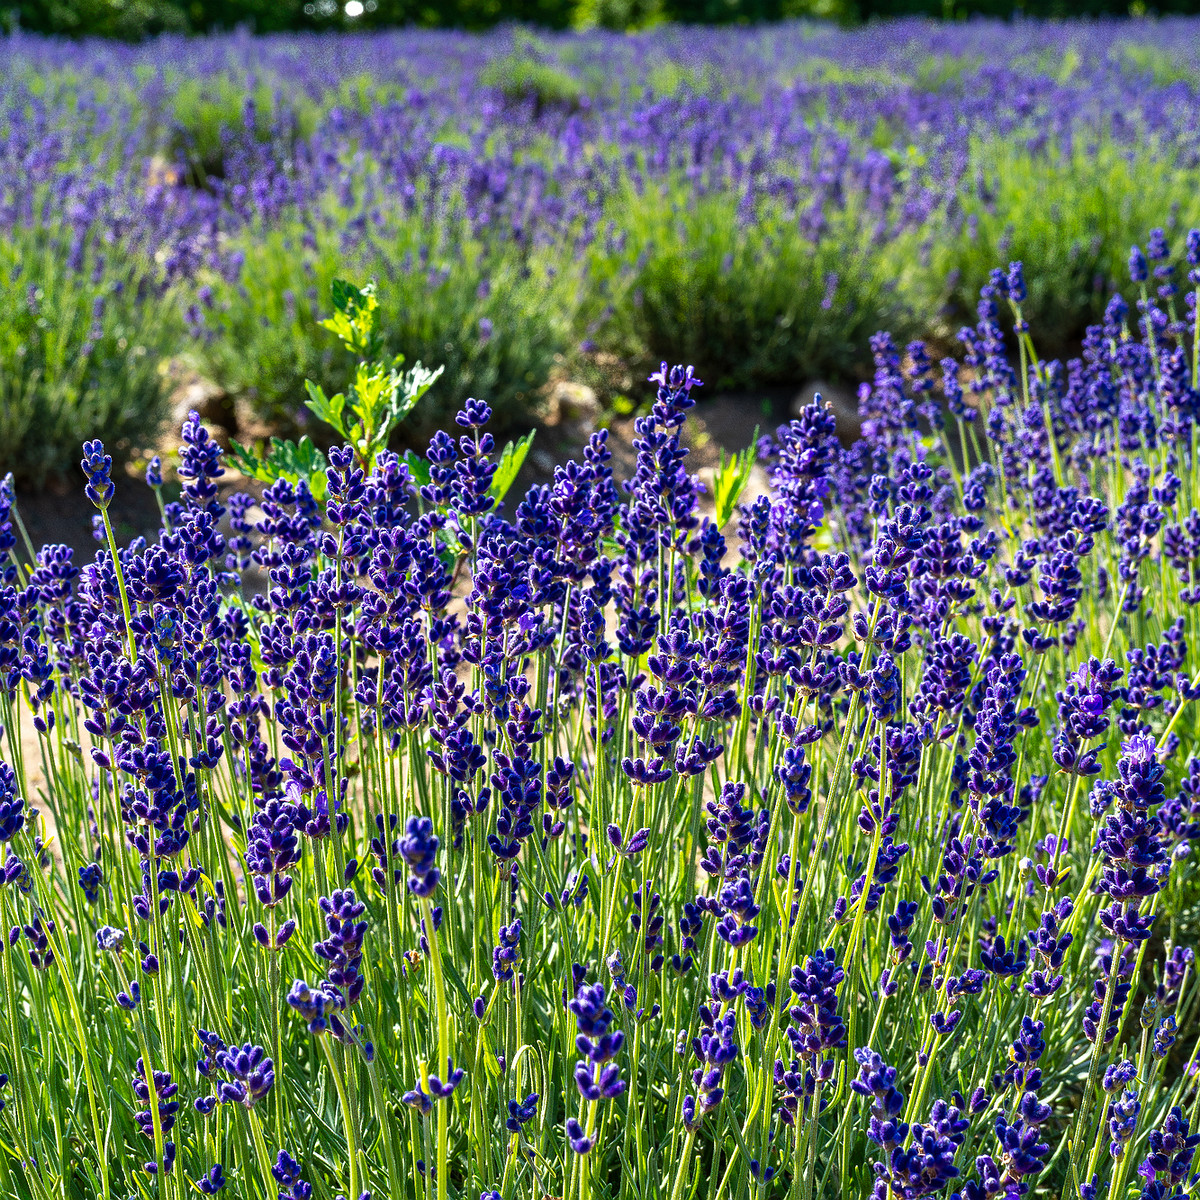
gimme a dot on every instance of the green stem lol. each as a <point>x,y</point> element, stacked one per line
<point>443,1022</point>
<point>347,1118</point>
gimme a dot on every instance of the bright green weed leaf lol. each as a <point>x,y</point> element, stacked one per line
<point>511,458</point>
<point>730,479</point>
<point>293,461</point>
<point>328,408</point>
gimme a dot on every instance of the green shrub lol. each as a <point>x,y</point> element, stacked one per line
<point>128,20</point>
<point>667,77</point>
<point>206,118</point>
<point>525,75</point>
<point>1160,66</point>
<point>496,322</point>
<point>76,357</point>
<point>363,92</point>
<point>1070,217</point>
<point>749,303</point>
<point>628,14</point>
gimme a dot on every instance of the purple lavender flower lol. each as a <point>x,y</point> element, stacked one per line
<point>168,1109</point>
<point>1122,1121</point>
<point>12,806</point>
<point>1135,863</point>
<point>249,1074</point>
<point>91,880</point>
<point>1171,1149</point>
<point>1139,272</point>
<point>271,847</point>
<point>313,1004</point>
<point>419,848</point>
<point>506,953</point>
<point>1082,707</point>
<point>342,949</point>
<point>714,1048</point>
<point>577,1139</point>
<point>1164,1036</point>
<point>108,938</point>
<point>97,466</point>
<point>877,1080</point>
<point>1178,965</point>
<point>816,1025</point>
<point>520,1113</point>
<point>286,1171</point>
<point>596,1076</point>
<point>213,1180</point>
<point>923,1167</point>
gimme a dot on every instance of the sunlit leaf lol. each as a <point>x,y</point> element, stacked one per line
<point>292,461</point>
<point>511,460</point>
<point>328,408</point>
<point>730,479</point>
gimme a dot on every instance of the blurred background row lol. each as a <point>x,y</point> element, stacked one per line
<point>549,215</point>
<point>135,19</point>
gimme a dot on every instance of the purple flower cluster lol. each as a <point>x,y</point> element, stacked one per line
<point>597,1077</point>
<point>248,1074</point>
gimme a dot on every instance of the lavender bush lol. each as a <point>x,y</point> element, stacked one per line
<point>759,201</point>
<point>86,329</point>
<point>834,840</point>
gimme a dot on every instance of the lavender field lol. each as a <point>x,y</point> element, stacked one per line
<point>758,202</point>
<point>818,826</point>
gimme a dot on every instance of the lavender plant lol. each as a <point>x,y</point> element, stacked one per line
<point>834,843</point>
<point>81,346</point>
<point>758,200</point>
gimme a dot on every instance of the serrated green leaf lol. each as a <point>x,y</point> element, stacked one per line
<point>302,460</point>
<point>285,460</point>
<point>511,460</point>
<point>380,395</point>
<point>353,319</point>
<point>418,468</point>
<point>413,385</point>
<point>248,462</point>
<point>346,297</point>
<point>328,408</point>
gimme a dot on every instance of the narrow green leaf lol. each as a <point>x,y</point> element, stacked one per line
<point>511,460</point>
<point>730,479</point>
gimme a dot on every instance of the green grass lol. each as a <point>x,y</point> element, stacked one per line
<point>750,303</point>
<point>528,74</point>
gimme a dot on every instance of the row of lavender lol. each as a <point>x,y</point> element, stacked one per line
<point>616,846</point>
<point>760,201</point>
